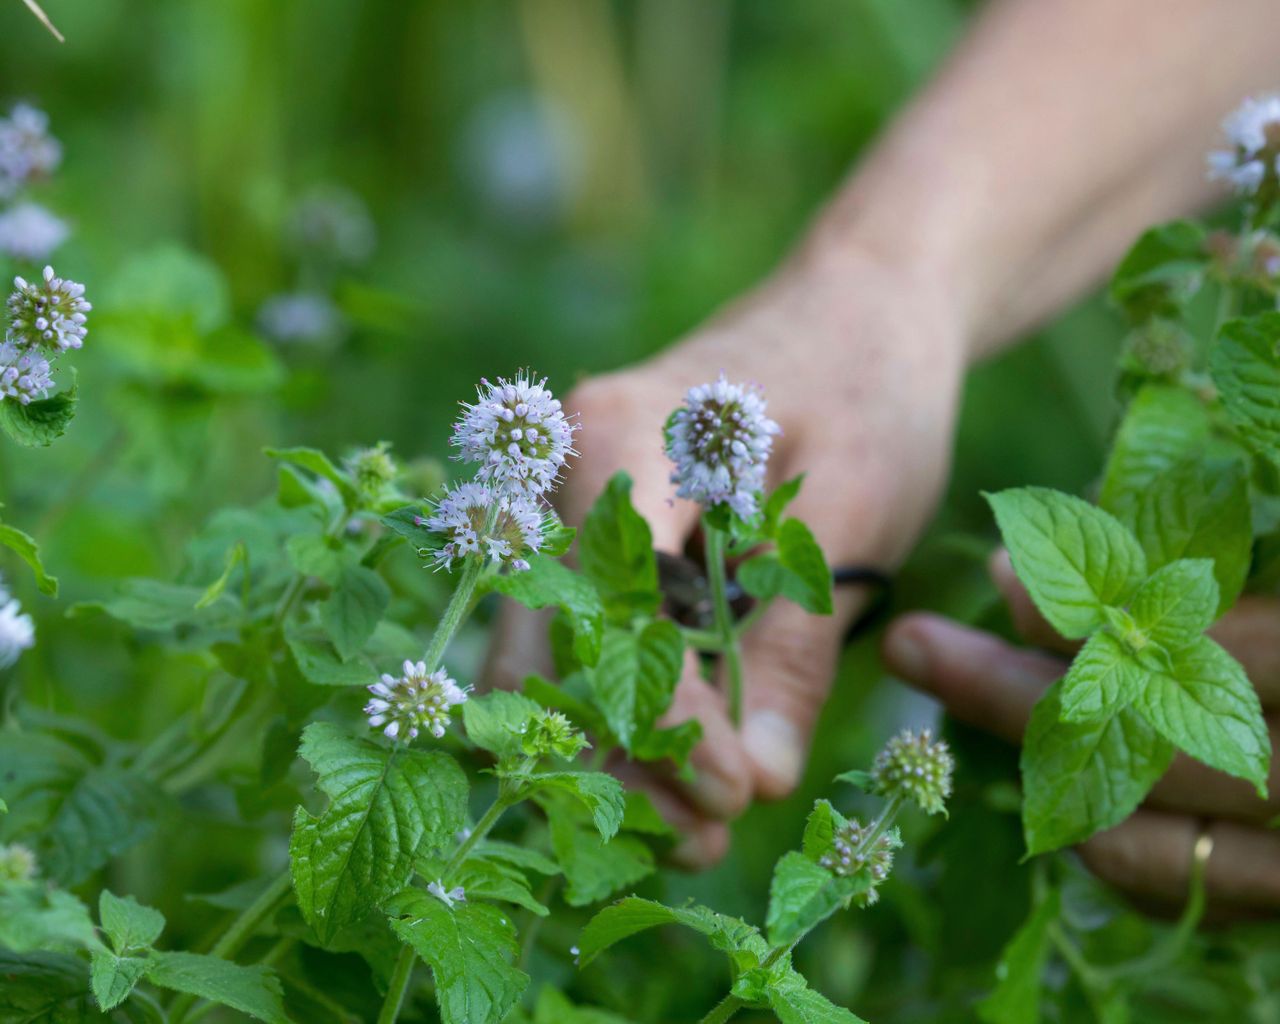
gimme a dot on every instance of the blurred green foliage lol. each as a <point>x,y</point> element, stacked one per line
<point>565,184</point>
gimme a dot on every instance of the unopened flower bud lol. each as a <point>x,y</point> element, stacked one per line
<point>915,766</point>
<point>373,470</point>
<point>17,863</point>
<point>552,733</point>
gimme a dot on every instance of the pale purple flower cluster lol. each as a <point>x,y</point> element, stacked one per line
<point>300,317</point>
<point>17,631</point>
<point>1253,132</point>
<point>30,233</point>
<point>476,519</point>
<point>518,434</point>
<point>418,700</point>
<point>333,224</point>
<point>917,767</point>
<point>24,374</point>
<point>48,313</point>
<point>27,150</point>
<point>720,441</point>
<point>856,847</point>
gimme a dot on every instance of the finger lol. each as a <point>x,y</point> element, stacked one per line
<point>622,415</point>
<point>1033,627</point>
<point>1151,855</point>
<point>1251,632</point>
<point>1189,787</point>
<point>980,678</point>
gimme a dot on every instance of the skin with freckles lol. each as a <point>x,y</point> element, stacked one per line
<point>990,683</point>
<point>1057,131</point>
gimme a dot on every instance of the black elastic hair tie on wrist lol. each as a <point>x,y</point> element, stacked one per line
<point>881,588</point>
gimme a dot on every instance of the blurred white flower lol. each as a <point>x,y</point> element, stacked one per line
<point>27,150</point>
<point>334,224</point>
<point>24,373</point>
<point>17,631</point>
<point>720,441</point>
<point>300,317</point>
<point>1253,131</point>
<point>31,233</point>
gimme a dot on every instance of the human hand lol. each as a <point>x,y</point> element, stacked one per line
<point>862,364</point>
<point>987,682</point>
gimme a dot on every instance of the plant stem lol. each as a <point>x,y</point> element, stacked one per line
<point>241,930</point>
<point>486,822</point>
<point>723,1010</point>
<point>398,986</point>
<point>729,644</point>
<point>454,613</point>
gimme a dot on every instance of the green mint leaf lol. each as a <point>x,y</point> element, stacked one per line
<point>113,977</point>
<point>1103,679</point>
<point>554,1008</point>
<point>1207,707</point>
<point>317,462</point>
<point>314,555</point>
<point>75,812</point>
<point>1082,777</point>
<point>153,605</point>
<point>251,990</point>
<point>776,504</point>
<point>674,744</point>
<point>1162,427</point>
<point>557,540</point>
<point>34,916</point>
<point>795,1003</point>
<point>548,583</point>
<point>797,571</point>
<point>636,677</point>
<point>520,856</point>
<point>385,806</point>
<point>803,894</point>
<point>1198,510</point>
<point>1016,997</point>
<point>45,988</point>
<point>353,610</point>
<point>1073,558</point>
<point>496,721</point>
<point>1177,603</point>
<point>405,522</point>
<point>469,948</point>
<point>298,490</point>
<point>26,548</point>
<point>615,550</point>
<point>321,665</point>
<point>633,915</point>
<point>496,879</point>
<point>1246,369</point>
<point>593,869</point>
<point>1161,271</point>
<point>128,923</point>
<point>218,587</point>
<point>41,423</point>
<point>599,793</point>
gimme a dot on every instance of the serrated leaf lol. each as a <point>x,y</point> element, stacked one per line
<point>521,856</point>
<point>599,793</point>
<point>795,1003</point>
<point>314,555</point>
<point>803,894</point>
<point>797,571</point>
<point>1177,603</point>
<point>1016,997</point>
<point>495,879</point>
<point>409,522</point>
<point>469,948</point>
<point>127,922</point>
<point>593,869</point>
<point>352,612</point>
<point>1197,510</point>
<point>1164,266</point>
<point>34,916</point>
<point>113,977</point>
<point>495,721</point>
<point>1082,777</point>
<point>320,664</point>
<point>547,583</point>
<point>636,677</point>
<point>615,550</point>
<point>385,806</point>
<point>45,988</point>
<point>632,915</point>
<point>1073,558</point>
<point>26,548</point>
<point>318,462</point>
<point>1104,678</point>
<point>156,605</point>
<point>251,990</point>
<point>1162,427</point>
<point>820,828</point>
<point>1207,707</point>
<point>42,422</point>
<point>1245,365</point>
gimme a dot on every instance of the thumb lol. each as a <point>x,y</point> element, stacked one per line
<point>789,662</point>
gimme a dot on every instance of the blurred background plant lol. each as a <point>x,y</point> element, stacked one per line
<point>318,223</point>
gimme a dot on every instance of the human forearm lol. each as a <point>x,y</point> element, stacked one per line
<point>1056,131</point>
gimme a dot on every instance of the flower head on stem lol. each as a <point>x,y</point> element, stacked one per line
<point>916,766</point>
<point>418,700</point>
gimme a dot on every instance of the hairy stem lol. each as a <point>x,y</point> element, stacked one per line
<point>730,645</point>
<point>455,612</point>
<point>723,1010</point>
<point>398,986</point>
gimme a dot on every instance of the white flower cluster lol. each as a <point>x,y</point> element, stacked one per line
<point>720,441</point>
<point>419,700</point>
<point>46,318</point>
<point>17,631</point>
<point>853,849</point>
<point>477,519</point>
<point>28,153</point>
<point>1253,132</point>
<point>917,767</point>
<point>518,433</point>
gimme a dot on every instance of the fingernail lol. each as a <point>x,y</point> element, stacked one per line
<point>905,654</point>
<point>714,794</point>
<point>773,743</point>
